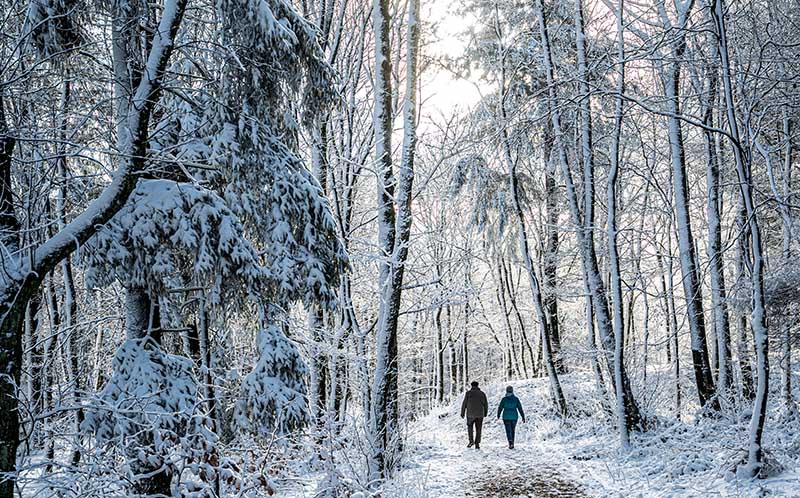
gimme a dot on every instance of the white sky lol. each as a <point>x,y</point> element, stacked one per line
<point>441,91</point>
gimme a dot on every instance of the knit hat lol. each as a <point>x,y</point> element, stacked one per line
<point>509,389</point>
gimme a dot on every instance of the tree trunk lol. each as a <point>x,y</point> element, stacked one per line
<point>551,262</point>
<point>209,391</point>
<point>11,358</point>
<point>676,357</point>
<point>716,270</point>
<point>584,224</point>
<point>788,223</point>
<point>384,395</point>
<point>513,363</point>
<point>439,357</point>
<point>316,321</point>
<point>525,343</point>
<point>454,388</point>
<point>613,256</point>
<point>48,364</point>
<point>755,456</point>
<point>394,231</point>
<point>688,258</point>
<point>141,323</point>
<point>70,306</point>
<point>465,344</point>
<point>35,361</point>
<point>318,368</point>
<point>536,294</point>
<point>592,346</point>
<point>137,313</point>
<point>740,265</point>
<point>10,336</point>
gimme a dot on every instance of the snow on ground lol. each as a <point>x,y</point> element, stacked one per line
<point>581,458</point>
<point>576,458</point>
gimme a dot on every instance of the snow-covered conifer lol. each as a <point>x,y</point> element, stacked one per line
<point>148,413</point>
<point>273,394</point>
<point>173,234</point>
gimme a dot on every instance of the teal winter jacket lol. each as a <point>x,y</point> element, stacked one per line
<point>510,407</point>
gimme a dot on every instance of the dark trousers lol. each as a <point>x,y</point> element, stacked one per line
<point>511,426</point>
<point>477,422</point>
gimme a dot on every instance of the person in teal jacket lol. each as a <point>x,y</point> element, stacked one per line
<point>511,409</point>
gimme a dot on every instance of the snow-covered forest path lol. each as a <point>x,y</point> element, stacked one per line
<point>442,466</point>
<point>580,457</point>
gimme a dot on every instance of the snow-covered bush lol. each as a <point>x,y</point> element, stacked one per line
<point>273,395</point>
<point>170,235</point>
<point>148,412</point>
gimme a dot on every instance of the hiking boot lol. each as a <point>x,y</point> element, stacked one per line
<point>477,446</point>
<point>471,444</point>
<point>511,446</point>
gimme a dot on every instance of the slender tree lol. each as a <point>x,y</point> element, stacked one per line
<point>613,254</point>
<point>755,453</point>
<point>394,230</point>
<point>671,75</point>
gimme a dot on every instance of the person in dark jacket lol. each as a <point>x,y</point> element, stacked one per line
<point>475,407</point>
<point>511,409</point>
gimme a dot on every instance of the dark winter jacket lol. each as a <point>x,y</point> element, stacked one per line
<point>509,406</point>
<point>475,404</point>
